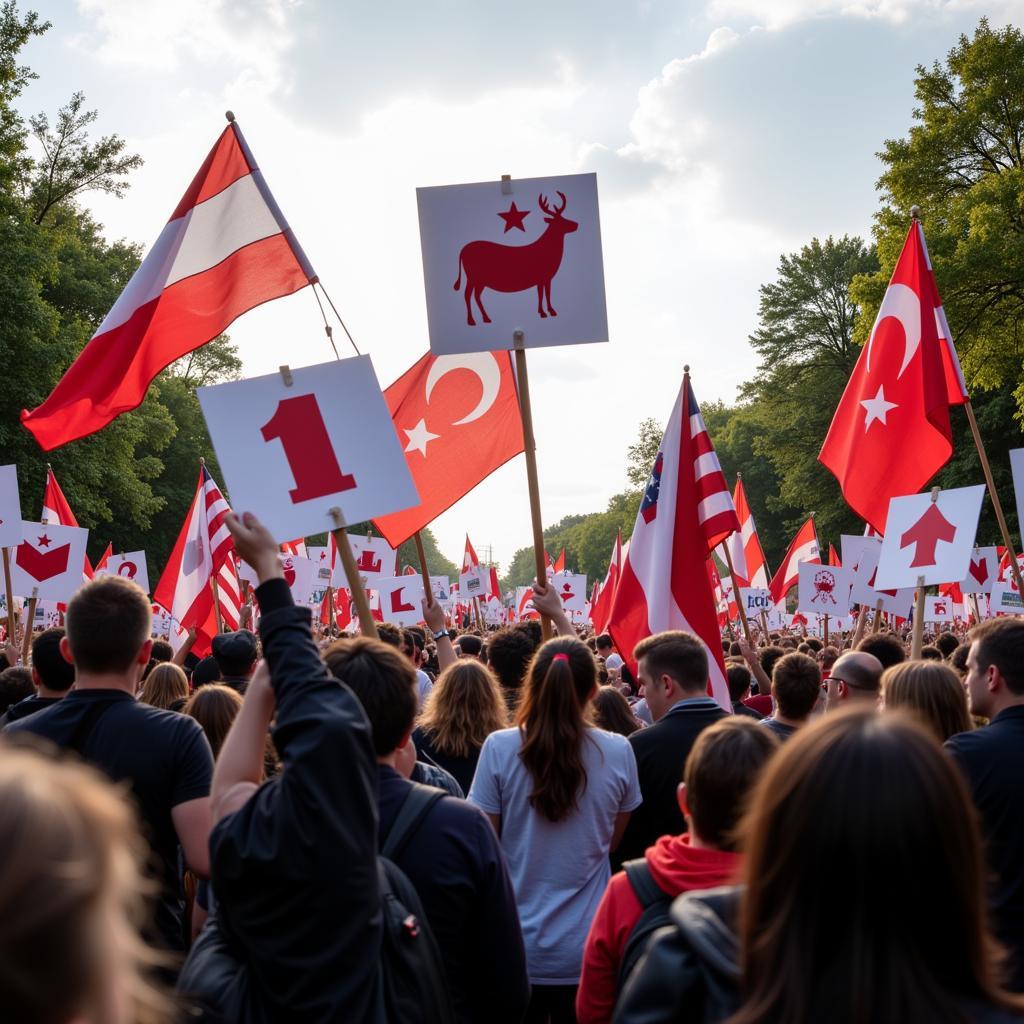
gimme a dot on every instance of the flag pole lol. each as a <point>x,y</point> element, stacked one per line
<point>427,588</point>
<point>739,596</point>
<point>530,449</point>
<point>12,619</point>
<point>216,604</point>
<point>355,582</point>
<point>30,621</point>
<point>917,637</point>
<point>877,624</point>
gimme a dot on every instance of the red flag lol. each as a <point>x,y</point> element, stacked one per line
<point>469,559</point>
<point>104,558</point>
<point>601,608</point>
<point>833,557</point>
<point>891,432</point>
<point>804,548</point>
<point>226,249</point>
<point>458,420</point>
<point>560,561</point>
<point>295,547</point>
<point>495,589</point>
<point>748,559</point>
<point>686,510</point>
<point>57,510</point>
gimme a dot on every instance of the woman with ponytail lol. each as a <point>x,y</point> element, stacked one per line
<point>559,792</point>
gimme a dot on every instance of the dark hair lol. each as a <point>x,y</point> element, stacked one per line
<point>796,685</point>
<point>384,681</point>
<point>876,794</point>
<point>933,692</point>
<point>677,654</point>
<point>612,712</point>
<point>15,685</point>
<point>108,621</point>
<point>419,638</point>
<point>1000,642</point>
<point>471,645</point>
<point>814,644</point>
<point>604,640</point>
<point>829,656</point>
<point>531,627</point>
<point>768,656</point>
<point>509,651</point>
<point>205,672</point>
<point>214,707</point>
<point>724,763</point>
<point>55,672</point>
<point>931,653</point>
<point>553,721</point>
<point>885,647</point>
<point>734,650</point>
<point>162,651</point>
<point>947,643</point>
<point>389,633</point>
<point>803,648</point>
<point>738,678</point>
<point>958,659</point>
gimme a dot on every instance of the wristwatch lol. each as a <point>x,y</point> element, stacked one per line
<point>440,633</point>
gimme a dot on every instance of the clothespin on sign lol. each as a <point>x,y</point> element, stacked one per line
<point>506,184</point>
<point>286,376</point>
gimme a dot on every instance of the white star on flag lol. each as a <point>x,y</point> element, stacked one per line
<point>419,437</point>
<point>876,408</point>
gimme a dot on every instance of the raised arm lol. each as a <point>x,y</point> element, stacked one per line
<point>433,616</point>
<point>547,602</point>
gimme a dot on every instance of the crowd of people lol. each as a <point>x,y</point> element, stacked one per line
<point>453,825</point>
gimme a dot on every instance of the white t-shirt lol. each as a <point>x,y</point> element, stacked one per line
<point>559,870</point>
<point>423,686</point>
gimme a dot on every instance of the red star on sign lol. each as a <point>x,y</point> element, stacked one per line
<point>513,218</point>
<point>44,541</point>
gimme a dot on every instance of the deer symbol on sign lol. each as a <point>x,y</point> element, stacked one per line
<point>514,268</point>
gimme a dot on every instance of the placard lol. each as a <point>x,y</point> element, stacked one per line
<point>440,588</point>
<point>474,583</point>
<point>291,452</point>
<point>10,507</point>
<point>942,609</point>
<point>401,599</point>
<point>572,590</point>
<point>130,566</point>
<point>527,259</point>
<point>824,589</point>
<point>49,561</point>
<point>375,560</point>
<point>982,571</point>
<point>1005,599</point>
<point>756,600</point>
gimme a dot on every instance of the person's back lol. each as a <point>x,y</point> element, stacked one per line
<point>452,857</point>
<point>163,756</point>
<point>52,676</point>
<point>673,669</point>
<point>796,689</point>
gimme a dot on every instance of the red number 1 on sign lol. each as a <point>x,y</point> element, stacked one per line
<point>299,426</point>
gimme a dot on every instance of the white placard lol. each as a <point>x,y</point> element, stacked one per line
<point>441,589</point>
<point>375,560</point>
<point>321,558</point>
<point>1006,599</point>
<point>929,540</point>
<point>131,566</point>
<point>524,604</point>
<point>1017,472</point>
<point>10,508</point>
<point>982,571</point>
<point>941,609</point>
<point>572,589</point>
<point>474,583</point>
<point>400,599</point>
<point>290,453</point>
<point>301,576</point>
<point>528,260</point>
<point>824,589</point>
<point>756,599</point>
<point>161,621</point>
<point>49,560</point>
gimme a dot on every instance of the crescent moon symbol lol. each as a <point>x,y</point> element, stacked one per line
<point>903,303</point>
<point>483,364</point>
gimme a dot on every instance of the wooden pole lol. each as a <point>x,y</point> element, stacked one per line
<point>355,582</point>
<point>332,621</point>
<point>428,589</point>
<point>739,596</point>
<point>12,619</point>
<point>825,623</point>
<point>858,630</point>
<point>216,604</point>
<point>26,641</point>
<point>764,626</point>
<point>917,638</point>
<point>877,624</point>
<point>990,483</point>
<point>530,446</point>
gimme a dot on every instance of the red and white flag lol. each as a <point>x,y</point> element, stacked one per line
<point>295,547</point>
<point>748,559</point>
<point>891,432</point>
<point>560,562</point>
<point>804,548</point>
<point>202,548</point>
<point>601,606</point>
<point>226,249</point>
<point>495,589</point>
<point>57,510</point>
<point>458,420</point>
<point>685,511</point>
<point>469,559</point>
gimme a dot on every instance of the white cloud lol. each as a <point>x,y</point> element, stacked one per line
<point>777,14</point>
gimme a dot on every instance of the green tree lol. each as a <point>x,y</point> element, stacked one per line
<point>641,455</point>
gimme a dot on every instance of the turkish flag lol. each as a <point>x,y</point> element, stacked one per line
<point>891,432</point>
<point>458,420</point>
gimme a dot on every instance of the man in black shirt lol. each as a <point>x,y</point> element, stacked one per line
<point>52,676</point>
<point>236,655</point>
<point>163,756</point>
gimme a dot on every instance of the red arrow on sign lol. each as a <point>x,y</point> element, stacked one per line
<point>43,565</point>
<point>979,570</point>
<point>926,533</point>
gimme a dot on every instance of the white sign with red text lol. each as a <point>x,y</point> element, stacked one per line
<point>375,560</point>
<point>130,566</point>
<point>400,599</point>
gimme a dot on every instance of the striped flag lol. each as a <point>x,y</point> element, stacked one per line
<point>601,605</point>
<point>748,559</point>
<point>226,249</point>
<point>57,510</point>
<point>804,548</point>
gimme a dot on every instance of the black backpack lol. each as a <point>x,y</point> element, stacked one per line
<point>656,904</point>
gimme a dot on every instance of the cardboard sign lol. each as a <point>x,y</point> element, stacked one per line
<point>1006,600</point>
<point>1017,471</point>
<point>375,559</point>
<point>400,599</point>
<point>941,609</point>
<point>291,452</point>
<point>929,540</point>
<point>48,561</point>
<point>527,259</point>
<point>130,566</point>
<point>756,600</point>
<point>321,558</point>
<point>161,622</point>
<point>474,583</point>
<point>824,589</point>
<point>524,604</point>
<point>440,588</point>
<point>572,589</point>
<point>10,507</point>
<point>982,571</point>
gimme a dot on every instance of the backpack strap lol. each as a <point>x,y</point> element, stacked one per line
<point>410,815</point>
<point>648,892</point>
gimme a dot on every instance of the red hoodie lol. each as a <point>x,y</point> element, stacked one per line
<point>677,867</point>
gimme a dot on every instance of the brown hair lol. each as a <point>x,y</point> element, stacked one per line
<point>463,708</point>
<point>71,895</point>
<point>933,692</point>
<point>725,761</point>
<point>107,622</point>
<point>612,712</point>
<point>1000,642</point>
<point>214,707</point>
<point>796,685</point>
<point>875,797</point>
<point>165,686</point>
<point>677,654</point>
<point>553,719</point>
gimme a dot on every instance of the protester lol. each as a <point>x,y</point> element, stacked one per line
<point>738,678</point>
<point>874,798</point>
<point>164,757</point>
<point>673,668</point>
<point>761,662</point>
<point>992,760</point>
<point>612,712</point>
<point>932,692</point>
<point>947,643</point>
<point>606,649</point>
<point>453,857</point>
<point>52,676</point>
<point>464,707</point>
<point>796,688</point>
<point>15,686</point>
<point>931,653</point>
<point>207,671</point>
<point>559,793</point>
<point>165,687</point>
<point>214,707</point>
<point>236,655</point>
<point>826,658</point>
<point>885,647</point>
<point>71,898</point>
<point>509,651</point>
<point>469,646</point>
<point>725,762</point>
<point>855,679</point>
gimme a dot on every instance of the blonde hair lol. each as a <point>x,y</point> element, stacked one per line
<point>933,692</point>
<point>165,685</point>
<point>463,708</point>
<point>71,897</point>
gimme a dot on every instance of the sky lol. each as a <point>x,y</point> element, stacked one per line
<point>723,133</point>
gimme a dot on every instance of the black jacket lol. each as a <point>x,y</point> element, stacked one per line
<point>295,869</point>
<point>661,751</point>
